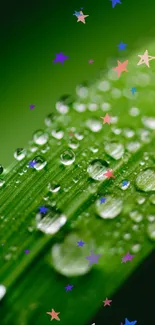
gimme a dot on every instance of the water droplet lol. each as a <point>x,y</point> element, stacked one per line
<point>62,105</point>
<point>79,107</point>
<point>68,259</point>
<point>73,143</point>
<point>127,236</point>
<point>2,182</point>
<point>134,111</point>
<point>20,154</point>
<point>40,137</point>
<point>128,133</point>
<point>92,107</point>
<point>94,150</point>
<point>67,157</point>
<point>133,146</point>
<point>51,222</point>
<point>116,93</point>
<point>49,119</point>
<point>53,187</point>
<point>116,130</point>
<point>40,162</point>
<point>151,231</point>
<point>1,169</point>
<point>97,168</point>
<point>110,209</point>
<point>105,107</point>
<point>94,125</point>
<point>114,150</point>
<point>149,122</point>
<point>79,136</point>
<point>135,248</point>
<point>152,198</point>
<point>145,181</point>
<point>144,135</point>
<point>58,133</point>
<point>151,218</point>
<point>136,216</point>
<point>2,291</point>
<point>140,200</point>
<point>82,91</point>
<point>104,85</point>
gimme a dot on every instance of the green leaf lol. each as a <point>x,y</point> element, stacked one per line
<point>68,179</point>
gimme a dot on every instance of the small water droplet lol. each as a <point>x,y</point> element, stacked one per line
<point>151,218</point>
<point>53,187</point>
<point>128,133</point>
<point>73,143</point>
<point>114,150</point>
<point>97,168</point>
<point>94,125</point>
<point>116,130</point>
<point>152,198</point>
<point>51,222</point>
<point>145,181</point>
<point>127,236</point>
<point>104,85</point>
<point>134,111</point>
<point>92,107</point>
<point>133,146</point>
<point>110,209</point>
<point>40,162</point>
<point>136,216</point>
<point>149,122</point>
<point>2,182</point>
<point>49,119</point>
<point>151,231</point>
<point>94,150</point>
<point>2,291</point>
<point>144,135</point>
<point>1,169</point>
<point>40,137</point>
<point>105,107</point>
<point>58,133</point>
<point>140,200</point>
<point>20,154</point>
<point>135,248</point>
<point>79,107</point>
<point>62,105</point>
<point>82,91</point>
<point>67,157</point>
<point>116,93</point>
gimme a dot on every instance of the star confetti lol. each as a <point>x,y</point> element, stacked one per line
<point>121,67</point>
<point>80,243</point>
<point>124,183</point>
<point>114,3</point>
<point>133,90</point>
<point>109,174</point>
<point>54,315</point>
<point>77,14</point>
<point>122,46</point>
<point>107,302</point>
<point>93,258</point>
<point>26,251</point>
<point>145,58</point>
<point>127,257</point>
<point>69,288</point>
<point>90,61</point>
<point>106,119</point>
<point>43,209</point>
<point>102,200</point>
<point>127,322</point>
<point>60,57</point>
<point>32,163</point>
<point>32,106</point>
<point>82,17</point>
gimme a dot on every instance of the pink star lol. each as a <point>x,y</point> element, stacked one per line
<point>91,61</point>
<point>121,67</point>
<point>106,119</point>
<point>127,257</point>
<point>54,315</point>
<point>107,302</point>
<point>109,174</point>
<point>82,17</point>
<point>145,58</point>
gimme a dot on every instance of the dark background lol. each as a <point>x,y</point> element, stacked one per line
<point>31,33</point>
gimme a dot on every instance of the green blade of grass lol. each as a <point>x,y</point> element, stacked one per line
<point>125,222</point>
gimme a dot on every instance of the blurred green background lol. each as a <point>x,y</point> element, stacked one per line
<point>33,32</point>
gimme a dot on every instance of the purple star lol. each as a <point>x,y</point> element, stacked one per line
<point>114,2</point>
<point>127,257</point>
<point>93,258</point>
<point>60,57</point>
<point>80,243</point>
<point>32,106</point>
<point>43,209</point>
<point>102,200</point>
<point>69,288</point>
<point>26,251</point>
<point>32,163</point>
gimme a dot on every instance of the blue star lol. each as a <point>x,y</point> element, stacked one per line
<point>102,200</point>
<point>80,243</point>
<point>77,14</point>
<point>122,46</point>
<point>133,90</point>
<point>32,163</point>
<point>114,2</point>
<point>125,183</point>
<point>43,210</point>
<point>130,323</point>
<point>69,287</point>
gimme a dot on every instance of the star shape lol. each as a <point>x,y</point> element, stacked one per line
<point>80,243</point>
<point>127,257</point>
<point>102,200</point>
<point>43,209</point>
<point>93,258</point>
<point>60,57</point>
<point>69,287</point>
<point>121,67</point>
<point>122,46</point>
<point>109,174</point>
<point>107,302</point>
<point>32,106</point>
<point>114,3</point>
<point>82,17</point>
<point>124,183</point>
<point>91,61</point>
<point>127,322</point>
<point>32,163</point>
<point>106,119</point>
<point>54,315</point>
<point>133,90</point>
<point>26,251</point>
<point>145,58</point>
<point>77,14</point>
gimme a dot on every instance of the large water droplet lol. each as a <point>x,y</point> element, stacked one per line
<point>40,162</point>
<point>145,181</point>
<point>20,154</point>
<point>67,157</point>
<point>94,125</point>
<point>97,168</point>
<point>68,259</point>
<point>151,231</point>
<point>114,150</point>
<point>136,216</point>
<point>110,209</point>
<point>2,291</point>
<point>51,222</point>
<point>40,137</point>
<point>149,122</point>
